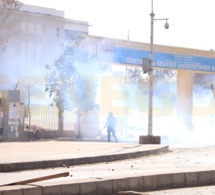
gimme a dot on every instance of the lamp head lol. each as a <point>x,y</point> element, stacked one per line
<point>166,25</point>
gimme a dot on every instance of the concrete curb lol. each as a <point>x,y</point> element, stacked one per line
<point>11,167</point>
<point>116,185</point>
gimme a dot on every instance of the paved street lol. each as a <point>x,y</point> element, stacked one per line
<point>17,152</point>
<point>53,150</point>
<point>177,159</point>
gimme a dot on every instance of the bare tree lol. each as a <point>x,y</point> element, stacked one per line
<point>8,21</point>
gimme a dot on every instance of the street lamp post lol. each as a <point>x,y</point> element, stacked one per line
<point>149,139</point>
<point>150,110</point>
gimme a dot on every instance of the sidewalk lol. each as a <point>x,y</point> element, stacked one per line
<point>99,168</point>
<point>17,156</point>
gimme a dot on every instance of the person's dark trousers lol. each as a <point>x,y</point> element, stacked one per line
<point>1,131</point>
<point>109,131</point>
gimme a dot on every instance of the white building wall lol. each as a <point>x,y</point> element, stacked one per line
<point>39,42</point>
<point>42,33</point>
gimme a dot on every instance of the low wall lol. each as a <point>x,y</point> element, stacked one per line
<point>115,185</point>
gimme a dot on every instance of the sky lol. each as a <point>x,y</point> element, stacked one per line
<point>191,21</point>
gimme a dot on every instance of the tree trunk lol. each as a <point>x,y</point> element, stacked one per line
<point>79,123</point>
<point>60,123</point>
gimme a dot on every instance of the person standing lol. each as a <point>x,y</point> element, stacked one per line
<point>111,124</point>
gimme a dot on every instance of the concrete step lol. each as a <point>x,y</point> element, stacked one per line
<point>117,184</point>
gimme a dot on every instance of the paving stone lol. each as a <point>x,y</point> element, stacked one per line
<point>178,180</point>
<point>106,158</point>
<point>68,162</point>
<point>98,159</point>
<point>149,182</point>
<point>120,185</point>
<point>18,166</point>
<point>88,188</point>
<point>128,155</point>
<point>32,191</point>
<point>113,158</point>
<point>191,179</point>
<point>91,160</point>
<point>6,167</point>
<point>52,190</point>
<point>59,163</point>
<point>68,189</point>
<point>136,183</point>
<point>40,165</point>
<point>213,177</point>
<point>117,157</point>
<point>83,160</point>
<point>49,163</point>
<point>205,178</point>
<point>140,154</point>
<point>12,191</point>
<point>164,181</point>
<point>29,165</point>
<point>76,161</point>
<point>123,156</point>
<point>104,187</point>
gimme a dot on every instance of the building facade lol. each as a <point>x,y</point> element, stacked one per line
<point>43,31</point>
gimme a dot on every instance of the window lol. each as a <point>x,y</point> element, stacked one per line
<point>38,29</point>
<point>57,32</point>
<point>31,28</point>
<point>23,27</point>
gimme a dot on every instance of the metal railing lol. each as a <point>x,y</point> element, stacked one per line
<point>46,116</point>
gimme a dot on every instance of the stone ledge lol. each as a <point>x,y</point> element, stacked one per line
<point>10,167</point>
<point>111,185</point>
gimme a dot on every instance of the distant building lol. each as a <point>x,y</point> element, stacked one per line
<point>43,31</point>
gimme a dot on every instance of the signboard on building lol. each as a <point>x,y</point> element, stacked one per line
<point>164,60</point>
<point>105,52</point>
